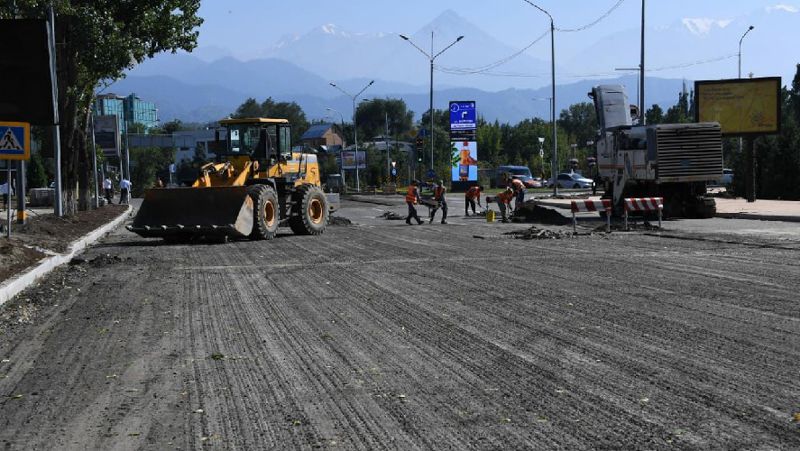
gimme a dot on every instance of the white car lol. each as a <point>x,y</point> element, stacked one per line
<point>572,180</point>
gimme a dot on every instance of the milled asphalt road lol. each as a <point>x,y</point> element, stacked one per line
<point>388,336</point>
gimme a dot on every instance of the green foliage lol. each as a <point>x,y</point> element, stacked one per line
<point>372,116</point>
<point>655,115</point>
<point>36,175</point>
<point>146,164</point>
<point>170,127</point>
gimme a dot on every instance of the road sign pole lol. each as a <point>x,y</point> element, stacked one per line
<point>8,199</point>
<point>21,192</point>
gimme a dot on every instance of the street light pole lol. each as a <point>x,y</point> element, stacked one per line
<point>750,177</point>
<point>431,57</point>
<point>641,76</point>
<point>554,163</point>
<point>341,116</point>
<point>355,125</point>
<point>740,48</point>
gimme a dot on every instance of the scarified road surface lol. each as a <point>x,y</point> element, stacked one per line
<point>387,336</point>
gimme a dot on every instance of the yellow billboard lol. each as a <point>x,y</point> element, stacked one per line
<point>748,106</point>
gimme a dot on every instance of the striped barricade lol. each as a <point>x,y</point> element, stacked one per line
<point>644,204</point>
<point>583,206</point>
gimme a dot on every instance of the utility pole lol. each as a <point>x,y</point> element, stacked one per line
<point>642,110</point>
<point>58,203</point>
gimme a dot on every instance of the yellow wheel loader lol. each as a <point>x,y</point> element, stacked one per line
<point>255,185</point>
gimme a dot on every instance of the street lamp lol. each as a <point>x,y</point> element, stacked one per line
<point>355,126</point>
<point>340,154</point>
<point>553,83</point>
<point>740,48</point>
<point>431,57</point>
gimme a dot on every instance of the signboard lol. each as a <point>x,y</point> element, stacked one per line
<point>742,106</point>
<point>15,141</point>
<point>465,161</point>
<point>348,159</point>
<point>107,135</point>
<point>25,64</point>
<point>463,121</point>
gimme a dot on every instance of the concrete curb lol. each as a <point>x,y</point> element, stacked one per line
<point>14,286</point>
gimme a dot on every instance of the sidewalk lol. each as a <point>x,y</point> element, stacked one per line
<point>764,210</point>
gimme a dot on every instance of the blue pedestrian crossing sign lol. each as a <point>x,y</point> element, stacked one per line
<point>15,141</point>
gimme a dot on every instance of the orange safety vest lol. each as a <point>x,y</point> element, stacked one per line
<point>437,193</point>
<point>518,185</point>
<point>505,197</point>
<point>411,195</point>
<point>473,193</point>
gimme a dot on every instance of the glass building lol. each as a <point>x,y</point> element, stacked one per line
<point>130,110</point>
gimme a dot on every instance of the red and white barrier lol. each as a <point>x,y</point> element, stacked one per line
<point>584,206</point>
<point>643,204</point>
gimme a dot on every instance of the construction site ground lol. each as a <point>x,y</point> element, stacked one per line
<point>381,335</point>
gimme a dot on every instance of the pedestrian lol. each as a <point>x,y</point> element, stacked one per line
<point>473,194</point>
<point>440,197</point>
<point>504,202</point>
<point>108,188</point>
<point>519,193</point>
<point>159,183</point>
<point>124,190</point>
<point>412,198</point>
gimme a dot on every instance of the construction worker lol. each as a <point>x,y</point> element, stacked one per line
<point>412,198</point>
<point>519,193</point>
<point>473,194</point>
<point>504,202</point>
<point>440,197</point>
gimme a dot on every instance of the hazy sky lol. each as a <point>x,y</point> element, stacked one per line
<point>247,27</point>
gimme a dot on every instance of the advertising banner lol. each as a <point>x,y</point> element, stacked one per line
<point>348,159</point>
<point>465,161</point>
<point>107,135</point>
<point>741,106</point>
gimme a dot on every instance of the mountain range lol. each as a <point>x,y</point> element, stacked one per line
<point>211,84</point>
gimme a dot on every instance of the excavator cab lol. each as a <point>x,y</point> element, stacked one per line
<point>255,183</point>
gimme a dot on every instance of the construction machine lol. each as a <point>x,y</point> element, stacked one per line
<point>256,184</point>
<point>673,161</point>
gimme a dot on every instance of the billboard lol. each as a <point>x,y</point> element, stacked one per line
<point>348,159</point>
<point>748,106</point>
<point>106,135</point>
<point>463,120</point>
<point>465,161</point>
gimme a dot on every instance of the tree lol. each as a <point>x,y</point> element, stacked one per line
<point>655,115</point>
<point>36,175</point>
<point>98,41</point>
<point>371,117</point>
<point>170,127</point>
<point>579,121</point>
<point>146,163</point>
<point>290,111</point>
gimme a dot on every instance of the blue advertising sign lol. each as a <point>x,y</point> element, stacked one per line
<point>463,115</point>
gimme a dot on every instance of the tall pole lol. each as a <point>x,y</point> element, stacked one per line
<point>553,111</point>
<point>94,163</point>
<point>430,108</point>
<point>386,143</point>
<point>750,158</point>
<point>642,110</point>
<point>355,125</point>
<point>58,203</point>
<point>341,116</point>
<point>431,57</point>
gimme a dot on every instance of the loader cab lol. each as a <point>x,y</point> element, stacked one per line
<point>264,140</point>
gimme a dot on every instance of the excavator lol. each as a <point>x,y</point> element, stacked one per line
<point>256,184</point>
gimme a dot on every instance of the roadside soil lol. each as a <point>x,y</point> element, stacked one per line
<point>43,234</point>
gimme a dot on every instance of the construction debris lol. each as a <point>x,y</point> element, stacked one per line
<point>339,221</point>
<point>535,233</point>
<point>530,212</point>
<point>391,216</point>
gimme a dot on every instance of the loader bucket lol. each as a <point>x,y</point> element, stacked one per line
<point>194,212</point>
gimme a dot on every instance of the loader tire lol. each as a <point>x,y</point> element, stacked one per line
<point>309,211</point>
<point>265,212</point>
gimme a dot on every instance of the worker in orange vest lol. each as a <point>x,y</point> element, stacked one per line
<point>412,197</point>
<point>440,197</point>
<point>504,202</point>
<point>519,193</point>
<point>473,194</point>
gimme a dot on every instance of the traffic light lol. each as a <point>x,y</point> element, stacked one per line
<point>420,146</point>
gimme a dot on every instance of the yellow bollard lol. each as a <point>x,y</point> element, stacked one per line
<point>489,215</point>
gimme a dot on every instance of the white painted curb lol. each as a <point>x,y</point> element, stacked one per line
<point>14,286</point>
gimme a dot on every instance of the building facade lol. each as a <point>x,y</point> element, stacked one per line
<point>130,110</point>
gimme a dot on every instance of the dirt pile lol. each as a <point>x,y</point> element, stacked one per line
<point>15,257</point>
<point>338,221</point>
<point>535,233</point>
<point>530,212</point>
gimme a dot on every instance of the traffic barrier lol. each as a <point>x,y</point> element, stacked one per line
<point>644,204</point>
<point>589,206</point>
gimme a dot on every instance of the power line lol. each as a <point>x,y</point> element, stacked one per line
<point>593,23</point>
<point>500,62</point>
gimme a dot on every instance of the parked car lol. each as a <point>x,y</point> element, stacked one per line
<point>503,174</point>
<point>572,180</point>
